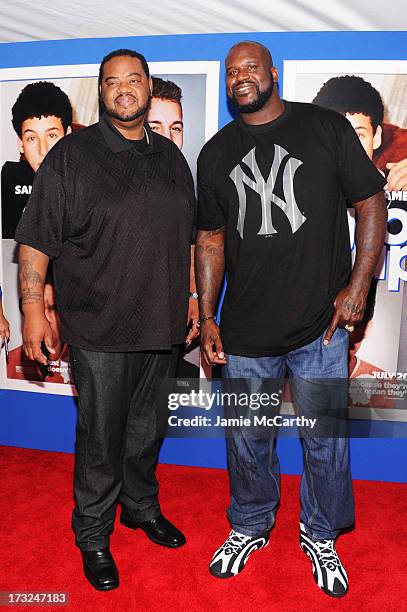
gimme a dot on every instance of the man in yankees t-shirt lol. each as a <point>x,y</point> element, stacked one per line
<point>273,191</point>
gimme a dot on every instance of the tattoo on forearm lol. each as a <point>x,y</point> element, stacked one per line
<point>209,268</point>
<point>28,296</point>
<point>29,277</point>
<point>31,281</point>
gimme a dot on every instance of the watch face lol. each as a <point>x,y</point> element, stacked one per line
<point>193,295</point>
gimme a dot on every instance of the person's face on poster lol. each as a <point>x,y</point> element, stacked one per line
<point>38,136</point>
<point>52,316</point>
<point>165,118</point>
<point>125,89</point>
<point>370,140</point>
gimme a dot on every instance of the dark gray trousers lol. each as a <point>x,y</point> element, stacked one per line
<point>118,436</point>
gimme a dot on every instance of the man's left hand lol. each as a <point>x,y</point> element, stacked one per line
<point>193,316</point>
<point>397,177</point>
<point>349,309</point>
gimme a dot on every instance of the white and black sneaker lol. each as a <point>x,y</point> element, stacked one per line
<point>233,555</point>
<point>328,571</point>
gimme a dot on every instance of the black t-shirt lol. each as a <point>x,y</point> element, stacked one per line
<point>16,184</point>
<point>117,220</point>
<point>281,189</point>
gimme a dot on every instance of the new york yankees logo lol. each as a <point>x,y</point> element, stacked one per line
<point>265,189</point>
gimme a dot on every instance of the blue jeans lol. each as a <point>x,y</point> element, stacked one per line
<point>254,471</point>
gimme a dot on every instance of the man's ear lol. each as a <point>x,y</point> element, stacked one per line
<point>274,74</point>
<point>20,145</point>
<point>150,84</point>
<point>377,138</point>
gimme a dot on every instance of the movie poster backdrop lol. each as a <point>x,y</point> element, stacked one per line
<point>378,355</point>
<point>379,359</point>
<point>199,83</point>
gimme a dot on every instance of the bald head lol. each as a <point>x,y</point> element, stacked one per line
<point>248,43</point>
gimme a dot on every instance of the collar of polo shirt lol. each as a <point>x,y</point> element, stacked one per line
<point>118,143</point>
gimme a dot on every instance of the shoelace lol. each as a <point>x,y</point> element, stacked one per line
<point>235,542</point>
<point>327,553</point>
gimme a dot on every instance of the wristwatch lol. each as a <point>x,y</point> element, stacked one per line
<point>193,294</point>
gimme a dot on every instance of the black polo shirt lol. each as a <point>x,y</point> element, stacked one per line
<point>117,217</point>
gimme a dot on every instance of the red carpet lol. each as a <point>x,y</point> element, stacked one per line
<point>36,509</point>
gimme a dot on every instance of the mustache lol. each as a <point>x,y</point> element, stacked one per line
<point>255,105</point>
<point>245,82</point>
<point>125,96</point>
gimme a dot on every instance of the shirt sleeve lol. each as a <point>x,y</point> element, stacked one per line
<point>210,213</point>
<point>359,177</point>
<point>44,223</point>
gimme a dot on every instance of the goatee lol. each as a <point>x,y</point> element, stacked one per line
<point>142,110</point>
<point>256,105</point>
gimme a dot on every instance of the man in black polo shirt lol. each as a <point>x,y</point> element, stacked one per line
<point>113,206</point>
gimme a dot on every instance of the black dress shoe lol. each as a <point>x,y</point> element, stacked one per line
<point>159,530</point>
<point>100,569</point>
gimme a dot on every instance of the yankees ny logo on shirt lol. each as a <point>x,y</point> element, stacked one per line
<point>265,189</point>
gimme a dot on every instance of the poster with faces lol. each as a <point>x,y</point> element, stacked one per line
<point>372,95</point>
<point>38,107</point>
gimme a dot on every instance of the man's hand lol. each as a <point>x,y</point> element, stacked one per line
<point>193,316</point>
<point>210,268</point>
<point>350,303</point>
<point>349,309</point>
<point>35,330</point>
<point>4,329</point>
<point>397,177</point>
<point>211,343</point>
<point>32,268</point>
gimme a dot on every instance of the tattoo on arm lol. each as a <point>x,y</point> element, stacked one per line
<point>30,297</point>
<point>32,270</point>
<point>28,275</point>
<point>209,268</point>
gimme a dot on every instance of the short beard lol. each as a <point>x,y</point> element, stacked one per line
<point>256,105</point>
<point>138,113</point>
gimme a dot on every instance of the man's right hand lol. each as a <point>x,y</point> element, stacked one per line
<point>211,343</point>
<point>4,329</point>
<point>35,330</point>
